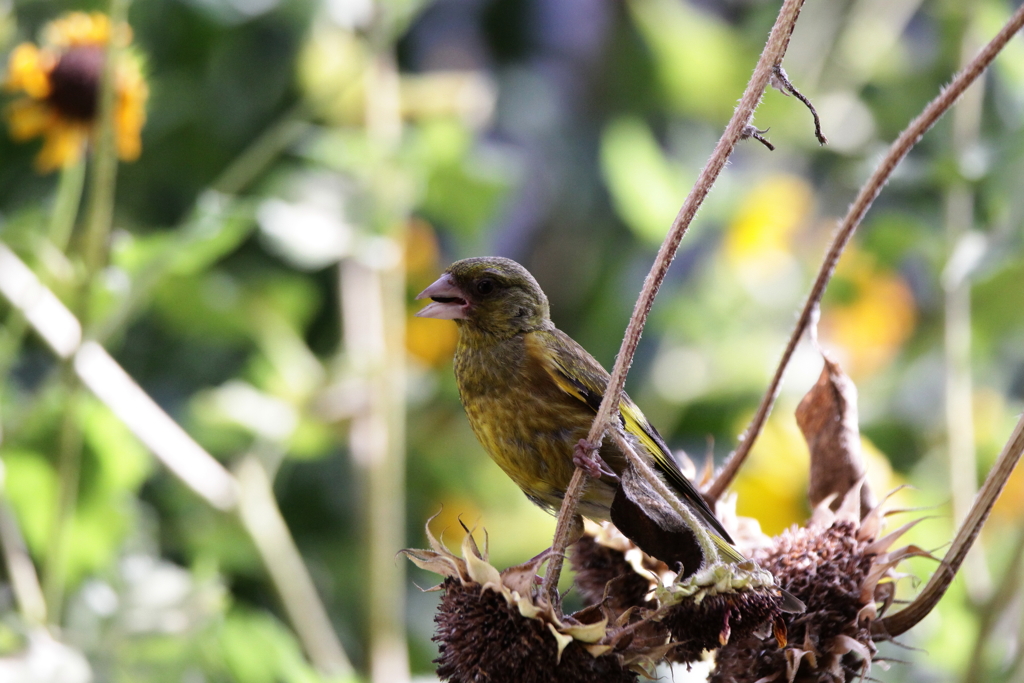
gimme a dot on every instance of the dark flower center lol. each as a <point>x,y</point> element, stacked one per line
<point>75,82</point>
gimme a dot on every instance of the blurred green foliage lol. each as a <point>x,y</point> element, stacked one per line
<point>565,135</point>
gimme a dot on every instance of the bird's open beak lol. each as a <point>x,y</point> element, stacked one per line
<point>449,302</point>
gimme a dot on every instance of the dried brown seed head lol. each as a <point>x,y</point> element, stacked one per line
<point>498,626</point>
<point>482,637</point>
<point>835,565</point>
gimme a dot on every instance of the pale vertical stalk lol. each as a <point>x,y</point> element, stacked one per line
<point>65,204</point>
<point>377,441</point>
<point>387,520</point>
<point>103,182</point>
<point>959,222</point>
<point>68,469</point>
<point>261,517</point>
<point>373,299</point>
<point>20,570</point>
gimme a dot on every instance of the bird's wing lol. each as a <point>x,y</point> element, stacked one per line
<point>578,374</point>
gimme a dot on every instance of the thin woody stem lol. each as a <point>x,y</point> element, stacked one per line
<point>774,51</point>
<point>780,80</point>
<point>922,605</point>
<point>564,532</point>
<point>104,157</point>
<point>869,191</point>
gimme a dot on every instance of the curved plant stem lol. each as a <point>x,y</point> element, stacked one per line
<point>102,187</point>
<point>260,515</point>
<point>564,529</point>
<point>264,150</point>
<point>65,204</point>
<point>20,569</point>
<point>774,51</point>
<point>922,605</point>
<point>868,192</point>
<point>103,182</point>
<point>68,475</point>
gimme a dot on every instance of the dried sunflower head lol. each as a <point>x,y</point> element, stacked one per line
<point>724,602</point>
<point>700,612</point>
<point>498,627</point>
<point>611,570</point>
<point>843,571</point>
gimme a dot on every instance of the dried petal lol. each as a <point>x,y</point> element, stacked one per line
<point>588,633</point>
<point>827,416</point>
<point>483,638</point>
<point>479,570</point>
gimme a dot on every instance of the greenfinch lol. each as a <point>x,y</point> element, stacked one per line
<point>531,393</point>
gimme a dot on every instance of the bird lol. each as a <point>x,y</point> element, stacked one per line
<point>531,394</point>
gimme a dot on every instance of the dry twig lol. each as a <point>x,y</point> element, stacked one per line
<point>922,605</point>
<point>868,192</point>
<point>774,51</point>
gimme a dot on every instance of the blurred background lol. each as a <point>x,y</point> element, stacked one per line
<point>308,166</point>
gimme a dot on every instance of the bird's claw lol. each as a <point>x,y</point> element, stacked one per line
<point>586,458</point>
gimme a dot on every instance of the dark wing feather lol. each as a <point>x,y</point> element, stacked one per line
<point>577,373</point>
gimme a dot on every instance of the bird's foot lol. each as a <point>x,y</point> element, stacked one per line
<point>585,457</point>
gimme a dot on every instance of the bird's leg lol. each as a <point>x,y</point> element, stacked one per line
<point>585,456</point>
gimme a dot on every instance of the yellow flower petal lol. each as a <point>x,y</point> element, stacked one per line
<point>29,69</point>
<point>130,116</point>
<point>28,119</point>
<point>78,28</point>
<point>757,245</point>
<point>63,146</point>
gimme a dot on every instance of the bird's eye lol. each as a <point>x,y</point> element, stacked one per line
<point>485,286</point>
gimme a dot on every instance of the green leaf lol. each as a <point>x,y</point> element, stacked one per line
<point>454,169</point>
<point>700,62</point>
<point>31,485</point>
<point>259,649</point>
<point>124,461</point>
<point>216,228</point>
<point>646,190</point>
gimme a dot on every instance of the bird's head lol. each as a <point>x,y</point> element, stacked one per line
<point>491,295</point>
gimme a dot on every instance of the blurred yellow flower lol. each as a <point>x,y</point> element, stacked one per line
<point>431,341</point>
<point>61,83</point>
<point>876,317</point>
<point>772,486</point>
<point>758,244</point>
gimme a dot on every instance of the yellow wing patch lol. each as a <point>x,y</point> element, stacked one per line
<point>587,384</point>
